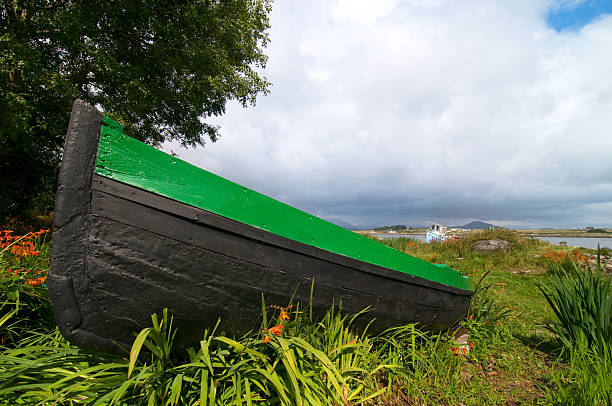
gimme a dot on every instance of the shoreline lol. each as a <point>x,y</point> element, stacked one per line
<point>521,233</point>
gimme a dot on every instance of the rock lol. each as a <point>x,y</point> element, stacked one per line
<point>490,245</point>
<point>463,339</point>
<point>606,263</point>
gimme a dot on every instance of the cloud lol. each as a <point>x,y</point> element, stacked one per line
<point>566,4</point>
<point>415,111</point>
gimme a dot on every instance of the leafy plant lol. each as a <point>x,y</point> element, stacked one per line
<point>286,369</point>
<point>582,302</point>
<point>485,307</point>
<point>563,260</point>
<point>24,263</point>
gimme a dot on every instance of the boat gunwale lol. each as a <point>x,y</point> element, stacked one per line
<point>196,215</point>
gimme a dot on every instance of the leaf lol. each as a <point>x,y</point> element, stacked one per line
<point>203,387</point>
<point>177,385</point>
<point>7,316</point>
<point>136,346</point>
<point>241,347</point>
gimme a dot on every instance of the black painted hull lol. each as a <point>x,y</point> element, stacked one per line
<point>120,254</point>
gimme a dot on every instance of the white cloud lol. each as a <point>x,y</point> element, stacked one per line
<point>566,4</point>
<point>398,110</point>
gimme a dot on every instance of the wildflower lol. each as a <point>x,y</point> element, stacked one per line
<point>276,330</point>
<point>459,350</point>
<point>36,281</point>
<point>471,317</point>
<point>283,315</point>
<point>471,344</point>
<point>267,338</point>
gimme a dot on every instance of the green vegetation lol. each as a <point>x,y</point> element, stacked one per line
<point>585,380</point>
<point>567,232</point>
<point>508,357</point>
<point>157,68</point>
<point>597,231</point>
<point>582,302</point>
<point>397,227</point>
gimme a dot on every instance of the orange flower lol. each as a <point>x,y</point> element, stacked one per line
<point>471,344</point>
<point>283,315</point>
<point>267,338</point>
<point>276,330</point>
<point>36,281</point>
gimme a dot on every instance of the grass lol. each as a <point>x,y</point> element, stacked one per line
<point>582,302</point>
<point>513,274</point>
<point>568,232</point>
<point>509,357</point>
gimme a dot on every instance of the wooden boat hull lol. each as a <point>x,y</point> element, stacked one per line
<point>120,253</point>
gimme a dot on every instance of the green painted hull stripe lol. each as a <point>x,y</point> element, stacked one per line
<point>128,160</point>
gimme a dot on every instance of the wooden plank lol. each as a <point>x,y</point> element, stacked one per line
<point>129,161</point>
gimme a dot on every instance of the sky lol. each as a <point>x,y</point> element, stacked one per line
<point>421,111</point>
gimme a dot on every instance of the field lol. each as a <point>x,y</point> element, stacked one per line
<point>569,232</point>
<point>512,354</point>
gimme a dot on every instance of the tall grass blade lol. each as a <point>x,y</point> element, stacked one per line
<point>136,346</point>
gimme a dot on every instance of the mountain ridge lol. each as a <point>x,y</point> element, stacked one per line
<point>477,225</point>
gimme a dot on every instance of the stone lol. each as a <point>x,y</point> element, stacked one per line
<point>490,245</point>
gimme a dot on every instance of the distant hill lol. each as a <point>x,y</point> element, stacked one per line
<point>477,225</point>
<point>396,227</point>
<point>341,223</point>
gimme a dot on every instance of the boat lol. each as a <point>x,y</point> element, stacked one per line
<point>137,230</point>
<point>436,232</point>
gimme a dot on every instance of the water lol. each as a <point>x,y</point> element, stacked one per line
<point>571,241</point>
<point>580,242</point>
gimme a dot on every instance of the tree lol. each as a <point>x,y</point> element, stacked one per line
<point>160,68</point>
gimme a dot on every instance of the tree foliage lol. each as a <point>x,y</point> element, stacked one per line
<point>158,67</point>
